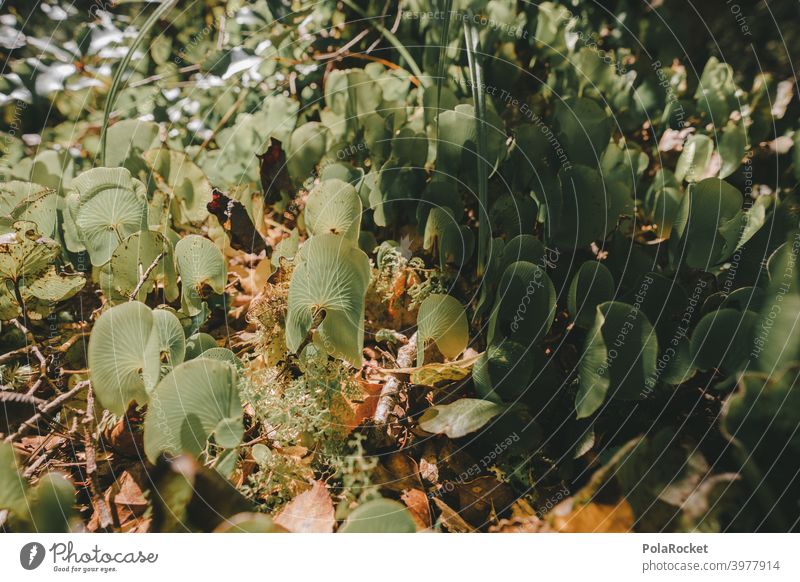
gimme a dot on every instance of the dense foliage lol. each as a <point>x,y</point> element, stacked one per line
<point>368,266</point>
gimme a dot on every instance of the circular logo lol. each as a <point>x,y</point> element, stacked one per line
<point>31,555</point>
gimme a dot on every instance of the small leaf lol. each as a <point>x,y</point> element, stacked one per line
<point>461,418</point>
<point>334,207</point>
<point>201,266</point>
<point>442,319</point>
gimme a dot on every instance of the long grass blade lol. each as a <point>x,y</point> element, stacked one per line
<point>476,77</point>
<point>157,14</point>
<point>440,74</point>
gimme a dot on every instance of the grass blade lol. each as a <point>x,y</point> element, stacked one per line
<point>476,78</point>
<point>157,14</point>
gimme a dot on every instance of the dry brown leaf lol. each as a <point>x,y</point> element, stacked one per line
<point>592,517</point>
<point>309,512</point>
<point>417,503</point>
<point>450,518</point>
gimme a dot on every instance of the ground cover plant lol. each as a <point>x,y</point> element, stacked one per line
<point>362,266</point>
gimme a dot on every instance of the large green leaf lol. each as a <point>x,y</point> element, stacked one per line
<point>196,400</point>
<point>334,207</point>
<point>619,359</point>
<point>525,304</point>
<point>329,283</point>
<point>592,285</point>
<point>721,340</point>
<point>201,267</point>
<point>695,157</point>
<point>31,203</point>
<point>708,225</point>
<point>584,128</point>
<point>441,319</point>
<point>119,349</point>
<point>107,205</point>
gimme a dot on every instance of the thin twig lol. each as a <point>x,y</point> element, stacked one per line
<point>146,275</point>
<point>98,501</point>
<point>47,410</point>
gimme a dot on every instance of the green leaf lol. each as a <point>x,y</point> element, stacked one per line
<point>694,159</point>
<point>334,207</point>
<point>441,319</point>
<point>732,147</point>
<point>107,205</point>
<point>329,282</point>
<point>379,516</point>
<point>196,400</point>
<point>132,259</point>
<point>126,142</point>
<point>183,179</point>
<point>460,418</point>
<point>504,371</point>
<point>198,344</point>
<point>201,267</point>
<point>525,304</point>
<point>592,285</point>
<point>663,200</point>
<point>717,340</point>
<point>28,273</point>
<point>707,228</point>
<point>168,341</point>
<point>619,359</point>
<point>584,128</point>
<point>119,349</point>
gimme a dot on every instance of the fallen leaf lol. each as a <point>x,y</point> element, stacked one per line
<point>309,512</point>
<point>417,503</point>
<point>592,517</point>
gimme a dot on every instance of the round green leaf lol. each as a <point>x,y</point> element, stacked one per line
<point>525,304</point>
<point>334,207</point>
<point>107,205</point>
<point>462,417</point>
<point>329,283</point>
<point>118,354</point>
<point>201,266</point>
<point>196,400</point>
